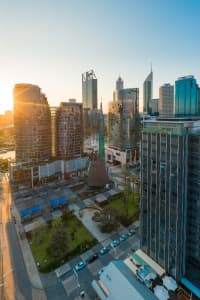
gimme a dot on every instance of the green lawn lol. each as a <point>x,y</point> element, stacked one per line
<point>81,241</point>
<point>118,204</point>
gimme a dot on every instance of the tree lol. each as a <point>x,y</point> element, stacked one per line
<point>127,188</point>
<point>39,233</point>
<point>108,219</point>
<point>58,243</point>
<point>130,191</point>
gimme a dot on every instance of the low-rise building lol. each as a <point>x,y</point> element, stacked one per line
<point>108,287</point>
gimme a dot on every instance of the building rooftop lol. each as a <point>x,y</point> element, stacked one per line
<point>129,288</point>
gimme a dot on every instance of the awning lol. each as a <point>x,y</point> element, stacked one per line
<point>35,209</point>
<point>54,203</point>
<point>62,200</point>
<point>25,212</point>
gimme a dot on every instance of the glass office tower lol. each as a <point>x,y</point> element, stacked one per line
<point>147,92</point>
<point>89,90</point>
<point>186,97</point>
<point>170,189</point>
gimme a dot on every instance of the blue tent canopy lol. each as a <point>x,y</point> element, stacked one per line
<point>62,200</point>
<point>25,212</point>
<point>54,203</point>
<point>35,209</point>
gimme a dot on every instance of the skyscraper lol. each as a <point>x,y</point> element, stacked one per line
<point>69,136</point>
<point>154,106</point>
<point>32,121</point>
<point>166,95</point>
<point>147,92</point>
<point>123,119</point>
<point>89,90</point>
<point>119,86</point>
<point>186,97</point>
<point>170,227</point>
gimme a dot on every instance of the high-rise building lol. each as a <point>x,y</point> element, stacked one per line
<point>166,95</point>
<point>170,189</point>
<point>147,92</point>
<point>69,137</point>
<point>119,86</point>
<point>53,129</point>
<point>123,120</point>
<point>89,90</point>
<point>123,125</point>
<point>32,121</point>
<point>186,97</point>
<point>154,106</point>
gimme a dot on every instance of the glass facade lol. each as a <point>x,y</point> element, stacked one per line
<point>89,90</point>
<point>170,190</point>
<point>186,97</point>
<point>193,230</point>
<point>163,198</point>
<point>147,92</point>
<point>124,120</point>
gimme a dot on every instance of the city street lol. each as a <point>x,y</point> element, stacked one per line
<point>69,285</point>
<point>14,280</point>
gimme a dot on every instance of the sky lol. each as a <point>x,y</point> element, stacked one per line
<point>52,42</point>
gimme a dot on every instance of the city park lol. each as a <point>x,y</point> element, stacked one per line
<point>65,237</point>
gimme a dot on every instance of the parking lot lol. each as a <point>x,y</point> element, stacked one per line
<point>71,282</point>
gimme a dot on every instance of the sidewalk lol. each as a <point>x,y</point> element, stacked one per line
<point>34,277</point>
<point>92,227</point>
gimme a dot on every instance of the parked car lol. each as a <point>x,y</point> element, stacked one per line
<point>81,265</point>
<point>131,232</point>
<point>92,258</point>
<point>103,250</point>
<point>114,243</point>
<point>122,238</point>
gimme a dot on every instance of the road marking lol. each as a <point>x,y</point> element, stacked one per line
<point>70,284</point>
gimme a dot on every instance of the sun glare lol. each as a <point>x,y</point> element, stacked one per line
<point>6,98</point>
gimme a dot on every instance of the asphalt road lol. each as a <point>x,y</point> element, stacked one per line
<point>21,275</point>
<point>14,277</point>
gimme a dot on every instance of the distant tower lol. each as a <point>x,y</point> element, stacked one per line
<point>69,133</point>
<point>148,92</point>
<point>186,97</point>
<point>119,86</point>
<point>89,90</point>
<point>166,96</point>
<point>101,135</point>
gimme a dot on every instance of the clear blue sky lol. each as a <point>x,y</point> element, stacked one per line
<point>51,42</point>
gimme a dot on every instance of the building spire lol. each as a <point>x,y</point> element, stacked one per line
<point>101,134</point>
<point>101,107</point>
<point>151,68</point>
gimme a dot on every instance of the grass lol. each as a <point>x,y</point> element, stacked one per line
<point>118,204</point>
<point>81,240</point>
